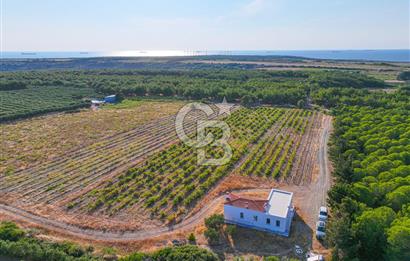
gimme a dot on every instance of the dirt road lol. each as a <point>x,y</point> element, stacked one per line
<point>313,197</point>
<point>315,194</point>
<point>112,236</point>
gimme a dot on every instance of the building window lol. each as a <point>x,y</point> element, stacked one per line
<point>268,221</point>
<point>241,214</point>
<point>278,223</point>
<point>255,218</point>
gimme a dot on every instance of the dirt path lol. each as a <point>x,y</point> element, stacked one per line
<point>112,236</point>
<point>313,197</point>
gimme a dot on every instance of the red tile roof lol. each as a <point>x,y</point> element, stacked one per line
<point>254,204</point>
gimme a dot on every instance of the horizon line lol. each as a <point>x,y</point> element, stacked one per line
<point>213,50</point>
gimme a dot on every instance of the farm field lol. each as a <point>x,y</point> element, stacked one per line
<point>53,180</point>
<point>32,101</point>
<point>248,130</point>
<point>143,177</point>
<point>40,139</point>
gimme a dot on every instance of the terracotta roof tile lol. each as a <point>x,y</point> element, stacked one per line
<point>254,204</point>
<point>232,196</point>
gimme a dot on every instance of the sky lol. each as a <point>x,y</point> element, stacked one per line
<point>119,25</point>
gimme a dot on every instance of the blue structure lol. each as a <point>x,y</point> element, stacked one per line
<point>110,99</point>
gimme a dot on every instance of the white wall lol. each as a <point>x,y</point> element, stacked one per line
<point>232,213</point>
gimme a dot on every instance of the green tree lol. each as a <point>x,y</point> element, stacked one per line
<point>184,253</point>
<point>248,99</point>
<point>230,229</point>
<point>369,230</point>
<point>398,239</point>
<point>301,104</point>
<point>212,235</point>
<point>404,76</point>
<point>399,197</point>
<point>340,236</point>
<point>191,238</point>
<point>215,221</point>
<point>10,231</point>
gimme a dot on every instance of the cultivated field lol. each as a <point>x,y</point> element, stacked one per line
<point>32,101</point>
<point>42,139</point>
<point>144,177</point>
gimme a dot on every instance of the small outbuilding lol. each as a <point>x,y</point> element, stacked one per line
<point>274,214</point>
<point>96,102</point>
<point>110,99</point>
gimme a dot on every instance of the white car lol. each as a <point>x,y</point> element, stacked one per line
<point>320,229</point>
<point>315,258</point>
<point>323,213</point>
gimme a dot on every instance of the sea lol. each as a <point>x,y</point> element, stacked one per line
<point>396,55</point>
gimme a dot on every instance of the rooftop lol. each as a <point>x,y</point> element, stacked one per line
<point>254,204</point>
<point>279,202</point>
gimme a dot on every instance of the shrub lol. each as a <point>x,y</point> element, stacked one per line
<point>212,235</point>
<point>271,258</point>
<point>136,257</point>
<point>10,231</point>
<point>215,221</point>
<point>230,229</point>
<point>404,76</point>
<point>14,243</point>
<point>191,238</point>
<point>184,253</point>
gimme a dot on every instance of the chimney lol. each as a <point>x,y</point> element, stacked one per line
<point>228,196</point>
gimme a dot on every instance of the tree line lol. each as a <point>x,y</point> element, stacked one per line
<point>246,86</point>
<point>370,201</point>
<point>15,242</point>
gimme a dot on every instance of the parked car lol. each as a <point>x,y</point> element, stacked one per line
<point>320,229</point>
<point>323,213</point>
<point>315,258</point>
<point>176,242</point>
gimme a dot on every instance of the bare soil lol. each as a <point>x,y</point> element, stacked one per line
<point>310,180</point>
<point>33,141</point>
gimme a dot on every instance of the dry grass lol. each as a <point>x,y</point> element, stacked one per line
<point>42,138</point>
<point>307,64</point>
<point>105,123</point>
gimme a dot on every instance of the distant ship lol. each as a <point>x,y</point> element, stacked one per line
<point>28,53</point>
<point>83,52</point>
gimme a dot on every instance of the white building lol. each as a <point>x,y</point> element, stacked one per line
<point>273,214</point>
